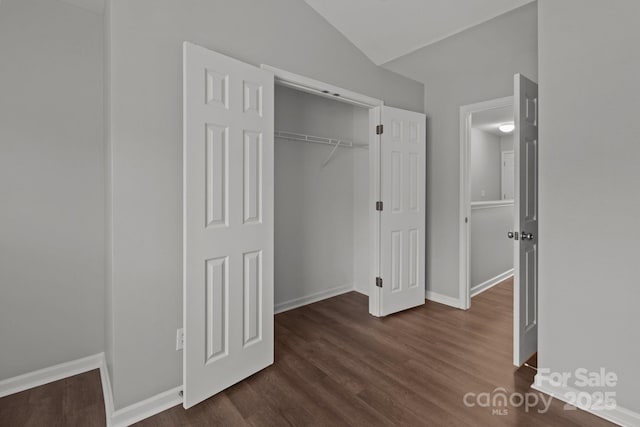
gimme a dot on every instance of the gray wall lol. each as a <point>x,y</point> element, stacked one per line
<point>484,165</point>
<point>361,205</point>
<point>51,185</point>
<point>490,252</point>
<point>506,142</point>
<point>475,65</point>
<point>589,181</point>
<point>145,56</point>
<point>315,221</point>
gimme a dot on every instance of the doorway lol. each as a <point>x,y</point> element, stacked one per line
<point>485,116</point>
<point>390,216</point>
<point>487,132</point>
<point>321,198</point>
<point>324,134</point>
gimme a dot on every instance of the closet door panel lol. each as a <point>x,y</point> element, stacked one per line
<point>228,222</point>
<point>402,220</point>
<point>217,170</point>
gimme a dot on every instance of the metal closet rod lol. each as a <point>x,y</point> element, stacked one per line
<point>292,136</point>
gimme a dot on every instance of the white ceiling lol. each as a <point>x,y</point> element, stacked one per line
<point>387,29</point>
<point>489,120</point>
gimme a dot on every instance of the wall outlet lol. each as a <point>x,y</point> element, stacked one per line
<point>179,339</point>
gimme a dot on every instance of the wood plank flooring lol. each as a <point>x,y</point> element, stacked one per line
<point>337,365</point>
<point>74,401</point>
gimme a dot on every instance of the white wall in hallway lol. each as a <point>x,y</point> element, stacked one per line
<point>484,166</point>
<point>490,252</point>
<point>506,142</point>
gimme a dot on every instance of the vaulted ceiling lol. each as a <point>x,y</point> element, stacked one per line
<point>387,29</point>
<point>95,6</point>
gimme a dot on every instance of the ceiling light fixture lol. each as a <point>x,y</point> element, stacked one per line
<point>507,127</point>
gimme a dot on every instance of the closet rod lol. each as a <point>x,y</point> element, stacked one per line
<point>291,136</point>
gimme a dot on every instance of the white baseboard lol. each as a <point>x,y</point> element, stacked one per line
<point>146,408</point>
<point>107,392</point>
<point>122,417</point>
<point>619,415</point>
<point>50,374</point>
<point>308,299</point>
<point>475,290</point>
<point>443,299</point>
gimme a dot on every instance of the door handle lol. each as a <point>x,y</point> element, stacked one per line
<point>512,235</point>
<point>527,236</point>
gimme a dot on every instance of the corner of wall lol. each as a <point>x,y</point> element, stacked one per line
<point>108,285</point>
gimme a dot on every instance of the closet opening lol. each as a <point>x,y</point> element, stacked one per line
<point>322,200</point>
<point>285,179</point>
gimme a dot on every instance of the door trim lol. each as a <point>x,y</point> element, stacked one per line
<point>326,90</point>
<point>317,87</point>
<point>466,111</point>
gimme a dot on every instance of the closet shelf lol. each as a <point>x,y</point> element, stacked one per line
<point>292,136</point>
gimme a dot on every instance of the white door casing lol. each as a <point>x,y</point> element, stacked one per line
<point>402,220</point>
<point>507,175</point>
<point>525,318</point>
<point>228,221</point>
<point>464,236</point>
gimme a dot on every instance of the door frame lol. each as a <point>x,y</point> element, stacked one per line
<point>326,90</point>
<point>464,233</point>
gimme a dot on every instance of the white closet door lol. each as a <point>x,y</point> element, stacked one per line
<point>228,222</point>
<point>402,221</point>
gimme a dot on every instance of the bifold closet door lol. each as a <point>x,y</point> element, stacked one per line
<point>402,220</point>
<point>228,222</point>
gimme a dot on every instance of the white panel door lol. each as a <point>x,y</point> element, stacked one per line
<point>402,220</point>
<point>525,319</point>
<point>507,175</point>
<point>228,222</point>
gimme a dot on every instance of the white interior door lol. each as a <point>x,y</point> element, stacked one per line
<point>402,220</point>
<point>507,175</point>
<point>228,222</point>
<point>525,302</point>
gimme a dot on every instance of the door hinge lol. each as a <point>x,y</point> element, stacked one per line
<point>379,206</point>
<point>379,129</point>
<point>379,282</point>
<point>466,219</point>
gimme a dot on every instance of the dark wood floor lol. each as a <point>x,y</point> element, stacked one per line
<point>74,401</point>
<point>337,365</point>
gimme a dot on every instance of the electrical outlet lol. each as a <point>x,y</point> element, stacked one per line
<point>179,339</point>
